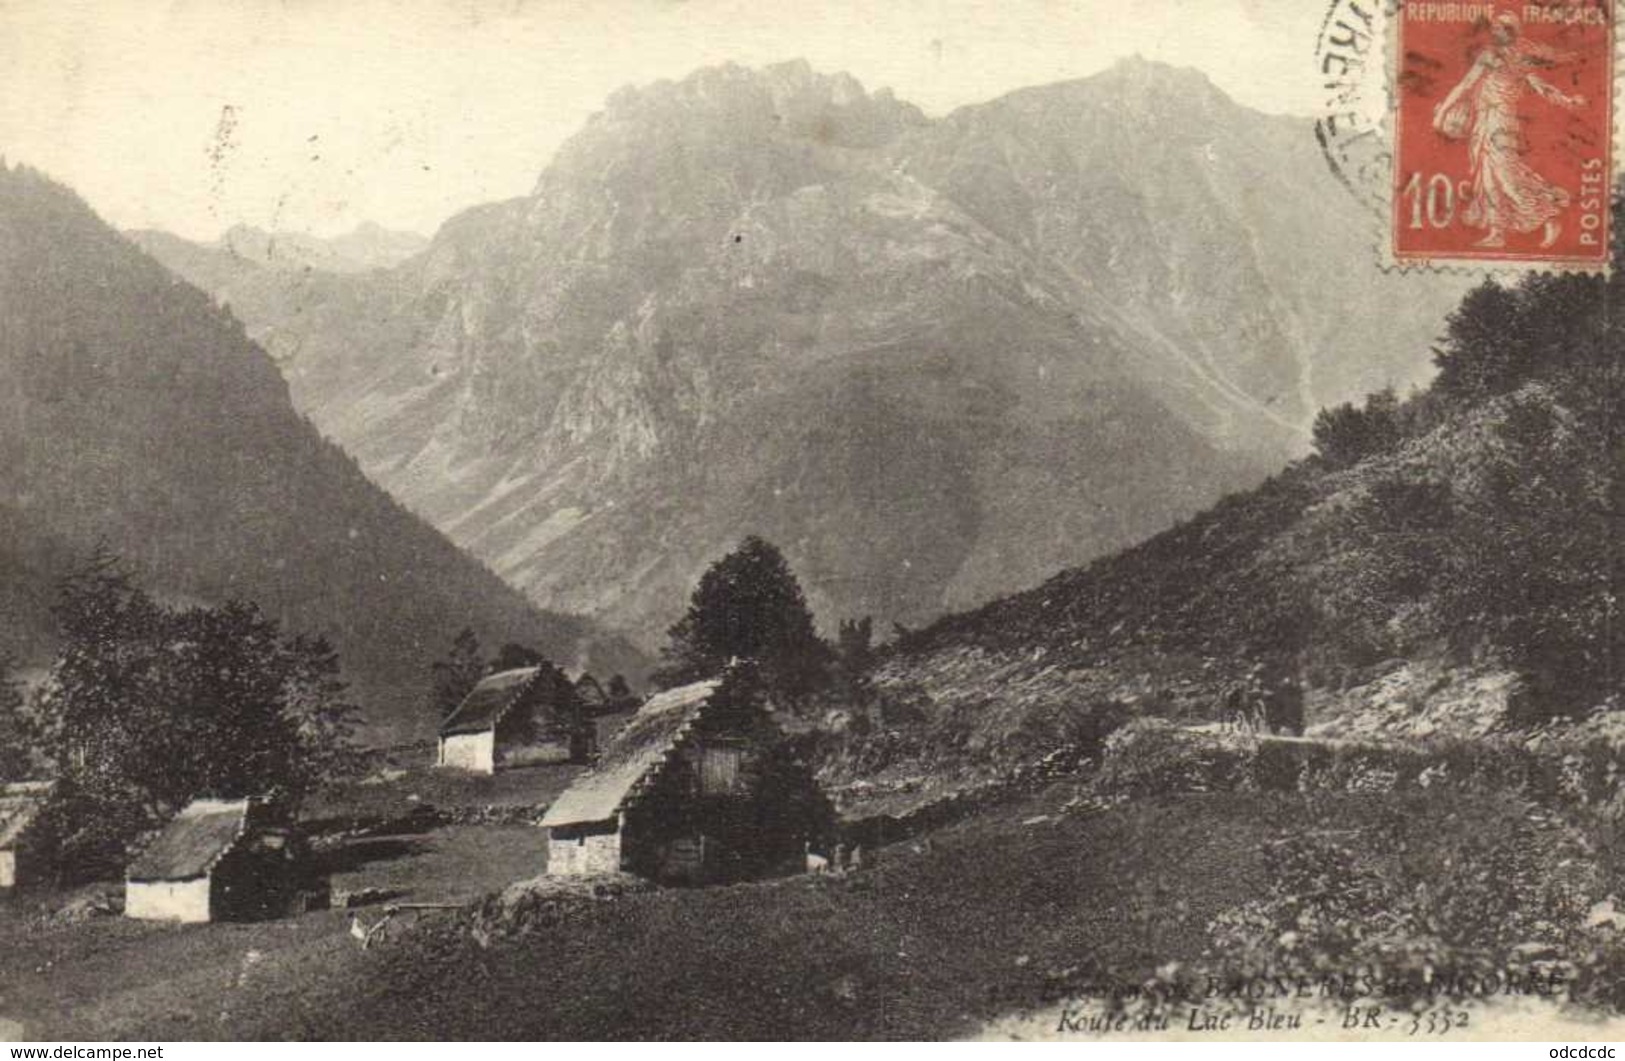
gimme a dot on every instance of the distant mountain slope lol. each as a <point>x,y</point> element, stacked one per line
<point>140,416</point>
<point>933,360</point>
<point>1450,565</point>
<point>367,246</point>
<point>1210,234</point>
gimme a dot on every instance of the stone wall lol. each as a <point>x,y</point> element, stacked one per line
<point>167,900</point>
<point>469,751</point>
<point>534,754</point>
<point>583,855</point>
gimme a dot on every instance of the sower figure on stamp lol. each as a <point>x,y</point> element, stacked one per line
<point>1507,192</point>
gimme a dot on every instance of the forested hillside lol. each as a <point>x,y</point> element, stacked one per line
<point>141,419</point>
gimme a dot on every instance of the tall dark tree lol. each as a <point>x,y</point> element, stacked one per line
<point>854,656</point>
<point>317,698</point>
<point>1487,347</point>
<point>620,694</point>
<point>148,707</point>
<point>454,677</point>
<point>15,761</point>
<point>748,606</point>
<point>1345,434</point>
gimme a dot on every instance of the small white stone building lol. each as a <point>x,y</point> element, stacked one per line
<point>219,860</point>
<point>522,717</point>
<point>698,786</point>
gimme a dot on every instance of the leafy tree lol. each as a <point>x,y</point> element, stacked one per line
<point>148,707</point>
<point>1489,347</point>
<point>15,762</point>
<point>748,606</point>
<point>454,677</point>
<point>1537,554</point>
<point>1530,571</point>
<point>1345,435</point>
<point>1282,696</point>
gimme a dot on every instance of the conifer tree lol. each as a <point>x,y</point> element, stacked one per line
<point>748,606</point>
<point>454,677</point>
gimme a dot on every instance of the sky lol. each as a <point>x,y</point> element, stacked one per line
<point>315,115</point>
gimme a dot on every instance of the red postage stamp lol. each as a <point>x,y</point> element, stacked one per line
<point>1503,139</point>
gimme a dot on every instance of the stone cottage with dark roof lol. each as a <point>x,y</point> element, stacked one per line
<point>221,860</point>
<point>521,717</point>
<point>698,786</point>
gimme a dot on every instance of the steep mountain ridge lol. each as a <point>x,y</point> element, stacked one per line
<point>143,419</point>
<point>1232,282</point>
<point>934,360</point>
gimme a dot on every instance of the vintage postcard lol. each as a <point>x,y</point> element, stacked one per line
<point>936,520</point>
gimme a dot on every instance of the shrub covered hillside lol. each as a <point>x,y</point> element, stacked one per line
<point>1446,562</point>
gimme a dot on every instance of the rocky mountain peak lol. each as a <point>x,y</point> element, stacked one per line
<point>1179,101</point>
<point>1139,76</point>
<point>671,158</point>
<point>1134,94</point>
<point>787,100</point>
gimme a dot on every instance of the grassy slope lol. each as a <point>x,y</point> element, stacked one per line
<point>413,781</point>
<point>105,978</point>
<point>919,946</point>
<point>444,865</point>
<point>141,418</point>
<point>924,944</point>
<point>92,978</point>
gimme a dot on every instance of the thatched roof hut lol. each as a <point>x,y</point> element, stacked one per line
<point>517,717</point>
<point>219,859</point>
<point>697,786</point>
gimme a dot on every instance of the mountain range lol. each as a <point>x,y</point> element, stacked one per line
<point>365,247</point>
<point>934,360</point>
<point>141,420</point>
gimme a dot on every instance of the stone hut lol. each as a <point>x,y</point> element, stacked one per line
<point>698,786</point>
<point>521,717</point>
<point>222,860</point>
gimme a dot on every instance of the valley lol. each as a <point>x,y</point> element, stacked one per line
<point>935,359</point>
<point>1059,586</point>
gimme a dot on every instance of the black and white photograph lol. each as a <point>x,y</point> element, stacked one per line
<point>937,520</point>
